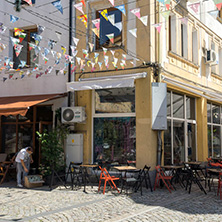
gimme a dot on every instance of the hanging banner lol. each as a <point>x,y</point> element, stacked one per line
<point>122,65</point>
<point>73,49</point>
<point>122,9</point>
<point>29,2</point>
<point>144,19</point>
<point>96,22</point>
<point>106,60</point>
<point>75,40</point>
<point>195,7</point>
<point>46,51</point>
<point>85,53</point>
<point>124,56</point>
<point>133,32</point>
<point>111,37</point>
<point>13,18</point>
<point>78,60</point>
<point>83,18</point>
<point>136,12</point>
<point>79,7</point>
<point>58,5</point>
<point>104,13</point>
<point>37,38</point>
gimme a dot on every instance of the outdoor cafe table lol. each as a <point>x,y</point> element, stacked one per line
<point>85,174</point>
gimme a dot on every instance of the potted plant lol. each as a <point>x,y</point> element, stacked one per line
<point>52,150</point>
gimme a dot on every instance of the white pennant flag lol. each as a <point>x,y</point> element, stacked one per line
<point>75,40</point>
<point>133,32</point>
<point>112,2</point>
<point>115,61</point>
<point>144,19</point>
<point>78,60</point>
<point>119,25</point>
<point>91,46</point>
<point>79,7</point>
<point>111,18</point>
<point>113,52</point>
<point>58,34</point>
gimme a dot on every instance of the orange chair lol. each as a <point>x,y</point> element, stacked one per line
<point>104,175</point>
<point>161,176</point>
<point>220,185</point>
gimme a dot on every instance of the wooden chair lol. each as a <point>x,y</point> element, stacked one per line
<point>104,175</point>
<point>4,166</point>
<point>220,186</point>
<point>165,179</point>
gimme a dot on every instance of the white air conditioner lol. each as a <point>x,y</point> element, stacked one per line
<point>73,114</point>
<point>211,56</point>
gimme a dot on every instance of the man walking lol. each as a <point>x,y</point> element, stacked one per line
<point>22,164</point>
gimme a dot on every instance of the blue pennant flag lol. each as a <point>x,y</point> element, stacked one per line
<point>121,8</point>
<point>58,5</point>
<point>4,79</point>
<point>13,18</point>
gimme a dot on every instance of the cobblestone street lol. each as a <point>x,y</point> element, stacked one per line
<point>60,204</point>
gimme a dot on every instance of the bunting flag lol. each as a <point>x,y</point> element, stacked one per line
<point>133,63</point>
<point>124,56</point>
<point>75,40</point>
<point>58,34</point>
<point>22,64</point>
<point>136,12</point>
<point>22,36</point>
<point>29,2</point>
<point>104,51</point>
<point>124,62</point>
<point>158,27</point>
<point>40,29</point>
<point>74,69</point>
<point>46,51</point>
<point>28,73</point>
<point>106,60</point>
<point>10,76</point>
<point>167,4</point>
<point>63,50</point>
<point>2,47</point>
<point>144,19</point>
<point>46,60</point>
<point>184,20</point>
<point>79,7</point>
<point>21,73</point>
<point>14,41</point>
<point>4,79</point>
<point>214,14</point>
<point>74,51</point>
<point>85,53</point>
<point>96,22</point>
<point>83,2</point>
<point>122,65</point>
<point>78,60</point>
<point>91,46</point>
<point>104,13</point>
<point>119,25</point>
<point>111,37</point>
<point>161,1</point>
<point>195,7</point>
<point>51,44</point>
<point>112,52</point>
<point>53,53</point>
<point>112,2</point>
<point>96,57</point>
<point>58,5</point>
<point>37,76</point>
<point>115,60</point>
<point>36,67</point>
<point>17,31</point>
<point>31,46</point>
<point>100,65</point>
<point>83,18</point>
<point>82,65</point>
<point>133,32</point>
<point>111,19</point>
<point>218,4</point>
<point>2,29</point>
<point>96,31</point>
<point>88,63</point>
<point>93,67</point>
<point>37,50</point>
<point>36,37</point>
<point>58,55</point>
<point>165,14</point>
<point>122,9</point>
<point>13,18</point>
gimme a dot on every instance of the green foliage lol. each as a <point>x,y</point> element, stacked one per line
<point>52,147</point>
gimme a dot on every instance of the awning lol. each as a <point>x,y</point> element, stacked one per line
<point>20,104</point>
<point>105,82</point>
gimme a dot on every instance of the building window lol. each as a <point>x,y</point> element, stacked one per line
<point>214,122</point>
<point>114,125</point>
<point>180,137</point>
<point>172,34</point>
<point>106,28</point>
<point>26,55</point>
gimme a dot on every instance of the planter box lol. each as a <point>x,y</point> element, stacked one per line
<point>33,181</point>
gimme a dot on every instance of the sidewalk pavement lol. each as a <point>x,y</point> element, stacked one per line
<point>60,204</point>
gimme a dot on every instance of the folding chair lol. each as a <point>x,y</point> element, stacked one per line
<point>104,175</point>
<point>165,179</point>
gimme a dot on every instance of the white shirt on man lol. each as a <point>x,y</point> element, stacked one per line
<point>22,155</point>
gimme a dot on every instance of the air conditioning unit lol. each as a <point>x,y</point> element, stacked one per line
<point>73,114</point>
<point>211,56</point>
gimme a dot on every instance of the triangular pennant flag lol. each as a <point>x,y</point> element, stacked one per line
<point>93,67</point>
<point>2,47</point>
<point>57,71</point>
<point>113,52</point>
<point>10,76</point>
<point>53,53</point>
<point>122,9</point>
<point>104,51</point>
<point>74,69</point>
<point>122,65</point>
<point>46,51</point>
<point>37,38</point>
<point>165,14</point>
<point>144,19</point>
<point>96,57</point>
<point>158,26</point>
<point>111,37</point>
<point>83,18</point>
<point>51,44</point>
<point>119,25</point>
<point>58,5</point>
<point>63,50</point>
<point>58,34</point>
<point>115,60</point>
<point>106,60</point>
<point>2,29</point>
<point>195,7</point>
<point>184,20</point>
<point>4,79</point>
<point>167,4</point>
<point>161,1</point>
<point>78,60</point>
<point>14,41</point>
<point>123,61</point>
<point>96,22</point>
<point>96,31</point>
<point>124,56</point>
<point>29,2</point>
<point>133,32</point>
<point>83,2</point>
<point>111,19</point>
<point>67,58</point>
<point>40,29</point>
<point>31,46</point>
<point>13,18</point>
<point>104,13</point>
<point>91,46</point>
<point>88,63</point>
<point>79,7</point>
<point>218,4</point>
<point>46,60</point>
<point>100,65</point>
<point>85,53</point>
<point>17,31</point>
<point>112,2</point>
<point>37,76</point>
<point>214,13</point>
<point>22,64</point>
<point>22,36</point>
<point>136,12</point>
<point>75,40</point>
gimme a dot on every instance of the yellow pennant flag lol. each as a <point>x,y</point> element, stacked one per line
<point>96,31</point>
<point>104,13</point>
